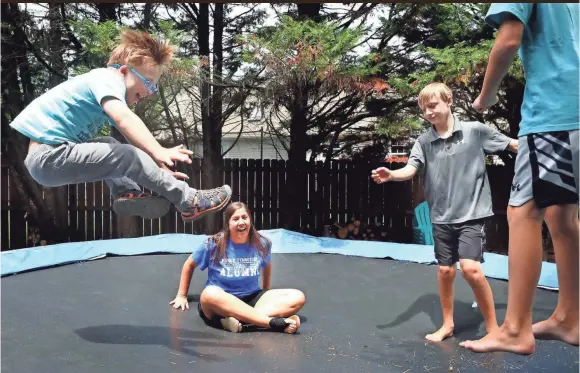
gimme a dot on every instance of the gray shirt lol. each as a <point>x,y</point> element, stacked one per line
<point>455,177</point>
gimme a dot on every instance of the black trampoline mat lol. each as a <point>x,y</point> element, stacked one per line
<point>361,315</point>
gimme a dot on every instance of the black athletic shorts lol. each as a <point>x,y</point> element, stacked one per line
<point>459,241</point>
<point>250,299</point>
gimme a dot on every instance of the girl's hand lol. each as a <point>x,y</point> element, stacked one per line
<point>180,301</point>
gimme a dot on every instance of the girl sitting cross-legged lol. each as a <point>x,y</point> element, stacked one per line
<point>232,298</point>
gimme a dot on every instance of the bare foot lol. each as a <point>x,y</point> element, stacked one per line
<point>556,330</point>
<point>231,324</point>
<point>441,334</point>
<point>502,340</point>
<point>491,328</point>
<point>294,326</point>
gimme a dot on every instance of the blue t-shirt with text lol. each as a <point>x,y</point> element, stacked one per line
<point>71,112</point>
<point>238,272</point>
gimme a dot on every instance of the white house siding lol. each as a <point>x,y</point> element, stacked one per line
<point>248,148</point>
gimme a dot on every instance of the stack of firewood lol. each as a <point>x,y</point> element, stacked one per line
<point>355,230</point>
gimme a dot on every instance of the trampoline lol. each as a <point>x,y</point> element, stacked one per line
<point>363,313</point>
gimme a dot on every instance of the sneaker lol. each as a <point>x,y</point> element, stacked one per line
<point>141,204</point>
<point>207,201</point>
<point>231,324</point>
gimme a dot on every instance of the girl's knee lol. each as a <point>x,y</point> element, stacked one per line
<point>211,295</point>
<point>298,298</point>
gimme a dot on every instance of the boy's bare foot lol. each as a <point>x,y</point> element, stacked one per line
<point>294,326</point>
<point>501,339</point>
<point>491,328</point>
<point>444,332</point>
<point>556,330</point>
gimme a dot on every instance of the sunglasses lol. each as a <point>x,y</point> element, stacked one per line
<point>149,85</point>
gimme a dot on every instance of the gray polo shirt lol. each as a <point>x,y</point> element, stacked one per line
<point>455,177</point>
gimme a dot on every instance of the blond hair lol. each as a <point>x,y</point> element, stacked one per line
<point>432,90</point>
<point>138,47</point>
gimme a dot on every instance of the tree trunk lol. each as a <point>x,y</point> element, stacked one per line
<point>293,201</point>
<point>126,225</point>
<point>107,11</point>
<point>14,61</point>
<point>147,16</point>
<point>212,162</point>
<point>56,198</point>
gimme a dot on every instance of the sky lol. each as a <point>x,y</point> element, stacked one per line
<point>39,10</point>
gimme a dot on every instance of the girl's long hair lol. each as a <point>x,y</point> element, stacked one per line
<point>220,239</point>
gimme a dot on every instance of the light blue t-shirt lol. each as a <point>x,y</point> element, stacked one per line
<point>238,272</point>
<point>71,111</point>
<point>549,53</point>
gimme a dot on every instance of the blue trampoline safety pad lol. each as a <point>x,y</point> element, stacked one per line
<point>283,242</point>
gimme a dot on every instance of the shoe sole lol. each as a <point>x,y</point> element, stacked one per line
<point>194,217</point>
<point>148,208</point>
<point>231,325</point>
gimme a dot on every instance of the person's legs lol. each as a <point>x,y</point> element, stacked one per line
<point>447,255</point>
<point>563,324</point>
<point>562,223</point>
<point>545,176</point>
<point>274,303</point>
<point>118,186</point>
<point>474,276</point>
<point>128,199</point>
<point>88,162</point>
<point>281,302</point>
<point>524,262</point>
<point>471,248</point>
<point>214,301</point>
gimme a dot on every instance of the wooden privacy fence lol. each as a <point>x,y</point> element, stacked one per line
<point>332,195</point>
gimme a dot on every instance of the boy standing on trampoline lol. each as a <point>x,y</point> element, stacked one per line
<point>545,185</point>
<point>235,258</point>
<point>62,122</point>
<point>452,157</point>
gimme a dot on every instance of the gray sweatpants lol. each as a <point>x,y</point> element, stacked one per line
<point>123,167</point>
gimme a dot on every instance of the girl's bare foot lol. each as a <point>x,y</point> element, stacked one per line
<point>294,326</point>
<point>231,324</point>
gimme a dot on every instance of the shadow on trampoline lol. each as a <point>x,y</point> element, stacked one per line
<point>176,339</point>
<point>466,318</point>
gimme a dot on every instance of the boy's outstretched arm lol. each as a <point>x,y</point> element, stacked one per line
<point>383,174</point>
<point>416,161</point>
<point>503,53</point>
<point>133,128</point>
<point>180,300</point>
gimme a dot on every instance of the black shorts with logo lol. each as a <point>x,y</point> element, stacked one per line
<point>459,241</point>
<point>250,299</point>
